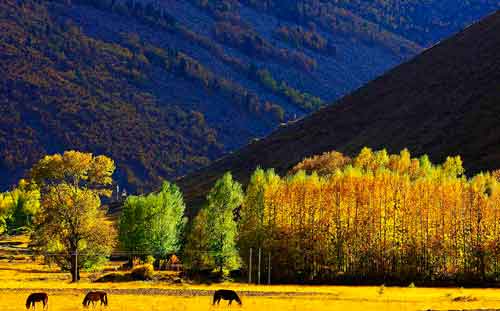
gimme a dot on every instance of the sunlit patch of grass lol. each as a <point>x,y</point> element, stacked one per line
<point>70,301</point>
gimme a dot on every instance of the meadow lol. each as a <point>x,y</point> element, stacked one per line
<point>18,278</point>
<point>23,272</point>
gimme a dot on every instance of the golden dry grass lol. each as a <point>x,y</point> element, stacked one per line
<point>356,299</point>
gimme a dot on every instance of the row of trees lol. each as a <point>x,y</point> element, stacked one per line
<point>154,225</point>
<point>301,37</point>
<point>375,216</point>
<point>61,204</point>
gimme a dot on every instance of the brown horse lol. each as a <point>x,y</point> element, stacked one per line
<point>95,296</point>
<point>226,294</point>
<point>37,297</point>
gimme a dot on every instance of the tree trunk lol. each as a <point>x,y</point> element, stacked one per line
<point>74,269</point>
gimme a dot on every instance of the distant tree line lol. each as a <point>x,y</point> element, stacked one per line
<point>310,38</point>
<point>251,43</point>
<point>305,101</point>
<point>226,13</point>
<point>154,15</point>
<point>337,18</point>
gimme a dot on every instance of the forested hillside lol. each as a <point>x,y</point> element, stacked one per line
<point>165,87</point>
<point>443,102</point>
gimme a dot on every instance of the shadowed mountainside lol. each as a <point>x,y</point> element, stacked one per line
<point>166,87</point>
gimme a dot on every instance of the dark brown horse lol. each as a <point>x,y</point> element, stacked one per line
<point>95,296</point>
<point>226,294</point>
<point>37,297</point>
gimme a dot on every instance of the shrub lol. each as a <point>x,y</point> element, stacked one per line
<point>114,277</point>
<point>143,273</point>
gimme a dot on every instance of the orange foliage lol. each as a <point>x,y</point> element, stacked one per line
<point>377,216</point>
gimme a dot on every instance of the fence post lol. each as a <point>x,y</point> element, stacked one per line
<point>258,273</point>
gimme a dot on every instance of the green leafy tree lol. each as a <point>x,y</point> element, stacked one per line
<point>224,198</point>
<point>25,204</point>
<point>133,223</point>
<point>71,221</point>
<point>168,220</point>
<point>153,224</point>
<point>196,251</point>
<point>18,206</point>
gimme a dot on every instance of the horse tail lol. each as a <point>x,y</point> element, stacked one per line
<point>105,299</point>
<point>28,302</point>
<point>46,301</point>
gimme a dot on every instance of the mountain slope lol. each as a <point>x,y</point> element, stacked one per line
<point>165,87</point>
<point>443,102</point>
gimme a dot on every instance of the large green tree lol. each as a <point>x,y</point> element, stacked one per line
<point>224,198</point>
<point>153,224</point>
<point>71,223</point>
<point>17,207</point>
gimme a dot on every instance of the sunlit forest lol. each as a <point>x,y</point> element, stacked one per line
<point>332,218</point>
<point>375,216</point>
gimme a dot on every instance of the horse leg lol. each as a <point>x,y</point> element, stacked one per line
<point>230,300</point>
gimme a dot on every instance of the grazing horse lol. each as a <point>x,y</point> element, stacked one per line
<point>226,294</point>
<point>95,296</point>
<point>37,297</point>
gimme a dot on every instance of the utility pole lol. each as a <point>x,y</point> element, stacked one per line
<point>258,273</point>
<point>269,269</point>
<point>250,267</point>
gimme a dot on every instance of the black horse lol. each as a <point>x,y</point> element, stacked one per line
<point>95,296</point>
<point>37,297</point>
<point>226,294</point>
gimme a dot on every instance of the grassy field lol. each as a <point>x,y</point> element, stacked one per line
<point>19,276</point>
